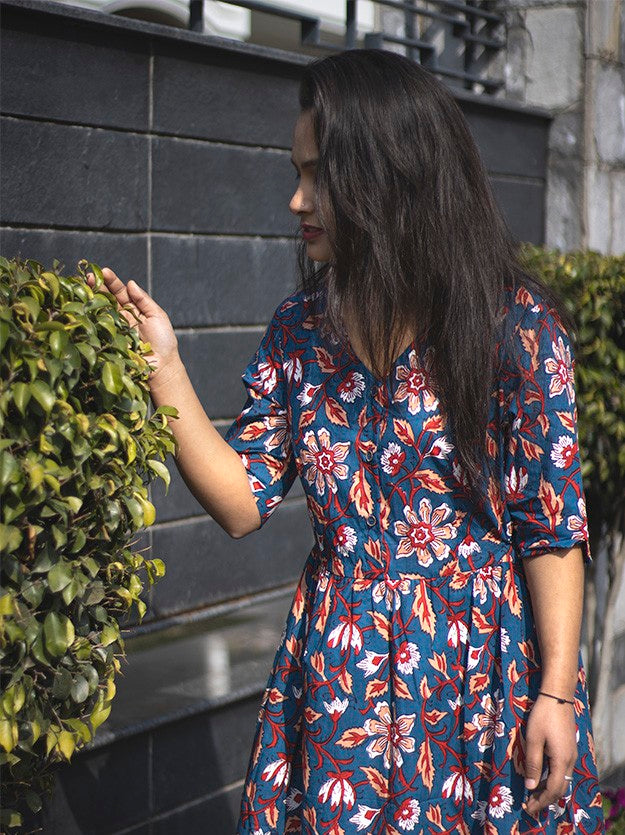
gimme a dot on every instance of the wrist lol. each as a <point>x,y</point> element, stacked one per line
<point>166,374</point>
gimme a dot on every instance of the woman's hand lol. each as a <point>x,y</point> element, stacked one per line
<point>550,735</point>
<point>151,321</point>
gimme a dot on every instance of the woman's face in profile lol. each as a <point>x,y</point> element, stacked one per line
<point>304,158</point>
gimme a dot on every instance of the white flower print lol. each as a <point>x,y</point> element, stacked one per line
<point>336,707</point>
<point>440,448</point>
<point>458,785</point>
<point>325,460</point>
<point>392,458</point>
<point>408,657</point>
<point>307,393</point>
<point>563,453</point>
<point>579,524</point>
<point>364,817</point>
<point>372,662</point>
<point>346,633</point>
<point>424,536</point>
<point>351,387</point>
<point>414,385</point>
<point>490,722</point>
<point>337,790</point>
<point>407,816</point>
<point>345,540</point>
<point>561,369</point>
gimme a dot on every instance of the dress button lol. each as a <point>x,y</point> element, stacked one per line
<point>367,455</point>
<point>371,520</point>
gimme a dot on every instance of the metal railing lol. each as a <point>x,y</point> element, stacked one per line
<point>471,26</point>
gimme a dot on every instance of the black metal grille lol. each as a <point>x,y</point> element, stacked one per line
<point>470,32</point>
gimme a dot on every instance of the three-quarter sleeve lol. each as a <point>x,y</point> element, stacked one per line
<point>261,433</point>
<point>543,480</point>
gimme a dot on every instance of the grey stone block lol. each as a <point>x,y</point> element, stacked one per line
<point>205,566</point>
<point>214,281</point>
<point>522,204</point>
<point>58,175</point>
<point>607,126</point>
<point>221,189</point>
<point>74,74</point>
<point>125,254</point>
<point>225,98</point>
<point>214,361</point>
<point>196,756</point>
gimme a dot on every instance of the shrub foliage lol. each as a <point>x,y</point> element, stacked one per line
<point>77,451</point>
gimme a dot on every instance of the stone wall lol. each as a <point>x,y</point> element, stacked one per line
<point>569,58</point>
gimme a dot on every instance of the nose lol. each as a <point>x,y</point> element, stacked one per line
<point>300,202</point>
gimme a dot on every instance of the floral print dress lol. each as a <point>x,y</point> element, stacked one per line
<point>409,662</point>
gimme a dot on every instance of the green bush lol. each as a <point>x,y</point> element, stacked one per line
<point>77,452</point>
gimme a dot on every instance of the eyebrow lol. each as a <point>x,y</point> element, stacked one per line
<point>307,163</point>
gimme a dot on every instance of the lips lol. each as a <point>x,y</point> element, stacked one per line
<point>309,232</point>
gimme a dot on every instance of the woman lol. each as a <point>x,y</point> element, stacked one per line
<point>421,385</point>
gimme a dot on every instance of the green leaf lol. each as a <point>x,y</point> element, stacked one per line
<point>59,576</point>
<point>43,395</point>
<point>160,469</point>
<point>112,378</point>
<point>80,689</point>
<point>62,684</point>
<point>9,470</point>
<point>10,538</point>
<point>21,396</point>
<point>58,633</point>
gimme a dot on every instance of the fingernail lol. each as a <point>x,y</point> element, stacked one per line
<point>531,783</point>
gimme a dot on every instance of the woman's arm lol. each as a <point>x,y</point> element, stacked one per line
<point>211,468</point>
<point>556,585</point>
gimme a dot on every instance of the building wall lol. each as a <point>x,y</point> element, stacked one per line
<point>569,57</point>
<point>164,154</point>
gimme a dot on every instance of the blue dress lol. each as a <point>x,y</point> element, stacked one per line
<point>409,662</point>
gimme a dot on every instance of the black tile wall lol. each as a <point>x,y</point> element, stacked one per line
<point>73,74</point>
<point>191,101</point>
<point>204,565</point>
<point>81,178</point>
<point>102,790</point>
<point>510,143</point>
<point>216,815</point>
<point>202,280</point>
<point>221,189</point>
<point>523,207</point>
<point>126,254</point>
<point>194,757</point>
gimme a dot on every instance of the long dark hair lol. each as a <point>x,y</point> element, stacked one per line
<point>417,238</point>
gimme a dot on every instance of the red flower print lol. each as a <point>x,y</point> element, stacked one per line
<point>390,738</point>
<point>351,387</point>
<point>414,386</point>
<point>424,536</point>
<point>392,459</point>
<point>325,460</point>
<point>408,657</point>
<point>307,393</point>
<point>564,452</point>
<point>338,790</point>
<point>561,368</point>
<point>407,816</point>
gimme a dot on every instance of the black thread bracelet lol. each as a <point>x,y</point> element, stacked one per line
<point>557,698</point>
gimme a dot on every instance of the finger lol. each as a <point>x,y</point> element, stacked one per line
<point>115,285</point>
<point>144,303</point>
<point>533,761</point>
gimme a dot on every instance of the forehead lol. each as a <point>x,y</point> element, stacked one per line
<point>304,143</point>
